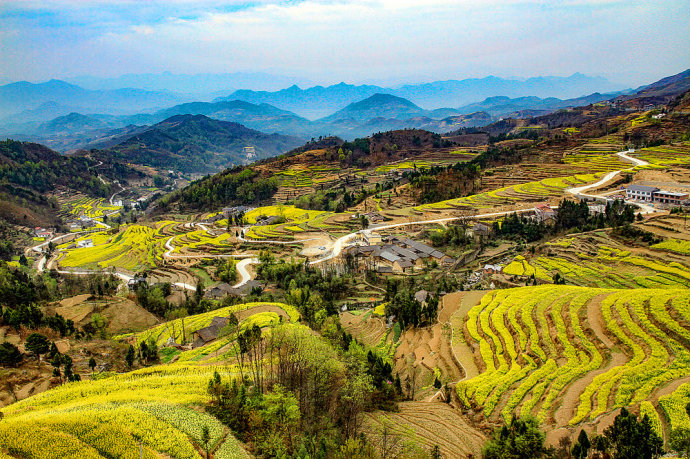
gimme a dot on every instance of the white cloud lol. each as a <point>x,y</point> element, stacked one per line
<point>334,40</point>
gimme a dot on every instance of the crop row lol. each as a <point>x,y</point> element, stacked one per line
<point>536,341</point>
<point>162,332</point>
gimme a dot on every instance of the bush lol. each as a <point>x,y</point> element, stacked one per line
<point>10,356</point>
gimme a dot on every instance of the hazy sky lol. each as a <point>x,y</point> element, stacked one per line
<point>630,42</point>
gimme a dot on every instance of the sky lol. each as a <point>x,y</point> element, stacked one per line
<point>327,41</point>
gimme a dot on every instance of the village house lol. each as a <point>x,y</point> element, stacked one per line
<point>135,282</point>
<point>374,217</point>
<point>207,334</point>
<point>42,232</point>
<point>372,238</point>
<point>86,222</point>
<point>229,212</point>
<point>421,296</point>
<point>492,269</point>
<point>670,197</point>
<point>654,194</point>
<point>596,209</point>
<point>218,291</point>
<point>478,231</point>
<point>85,243</point>
<point>544,212</point>
<point>640,192</point>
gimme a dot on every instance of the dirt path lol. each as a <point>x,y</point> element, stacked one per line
<point>571,397</point>
<point>461,350</point>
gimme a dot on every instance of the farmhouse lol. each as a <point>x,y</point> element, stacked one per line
<point>85,243</point>
<point>86,222</point>
<point>372,238</point>
<point>42,232</point>
<point>544,212</point>
<point>492,269</point>
<point>480,229</point>
<point>207,334</point>
<point>236,210</point>
<point>135,282</point>
<point>596,209</point>
<point>640,192</point>
<point>421,296</point>
<point>219,291</point>
<point>670,197</point>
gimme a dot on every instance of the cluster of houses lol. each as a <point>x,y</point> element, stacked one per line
<point>84,222</point>
<point>653,194</point>
<point>394,255</point>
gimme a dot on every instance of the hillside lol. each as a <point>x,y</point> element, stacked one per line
<point>660,92</point>
<point>502,106</point>
<point>20,96</point>
<point>196,143</point>
<point>262,117</point>
<point>29,172</point>
<point>378,105</point>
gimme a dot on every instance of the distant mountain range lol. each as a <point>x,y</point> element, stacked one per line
<point>52,124</point>
<point>24,96</point>
<point>197,143</point>
<point>319,101</point>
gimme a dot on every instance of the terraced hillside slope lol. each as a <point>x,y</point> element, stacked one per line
<point>161,406</point>
<point>571,355</point>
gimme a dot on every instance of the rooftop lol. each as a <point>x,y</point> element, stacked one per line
<point>645,188</point>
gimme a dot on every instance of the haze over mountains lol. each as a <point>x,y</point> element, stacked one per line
<point>104,118</point>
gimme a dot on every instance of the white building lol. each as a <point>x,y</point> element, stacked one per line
<point>640,192</point>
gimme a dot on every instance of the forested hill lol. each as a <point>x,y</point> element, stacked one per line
<point>259,181</point>
<point>196,143</point>
<point>28,171</point>
<point>240,185</point>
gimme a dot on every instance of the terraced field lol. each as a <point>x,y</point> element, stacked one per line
<point>296,221</point>
<point>138,247</point>
<point>134,248</point>
<point>89,207</point>
<point>570,354</point>
<point>161,333</point>
<point>161,405</point>
<point>104,418</point>
<point>664,156</point>
<point>510,195</point>
<point>596,260</point>
<point>420,425</point>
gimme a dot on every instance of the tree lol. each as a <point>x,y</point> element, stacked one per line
<point>631,438</point>
<point>519,439</point>
<point>129,357</point>
<point>581,448</point>
<point>92,364</point>
<point>680,441</point>
<point>10,356</point>
<point>37,344</point>
<point>205,438</point>
<point>56,362</point>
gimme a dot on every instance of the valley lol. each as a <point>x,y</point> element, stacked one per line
<point>202,288</point>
